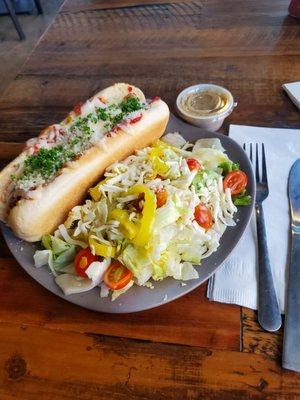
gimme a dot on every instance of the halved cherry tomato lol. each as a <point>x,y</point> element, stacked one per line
<point>193,164</point>
<point>203,216</point>
<point>77,108</point>
<point>161,197</point>
<point>117,276</point>
<point>236,181</point>
<point>83,260</point>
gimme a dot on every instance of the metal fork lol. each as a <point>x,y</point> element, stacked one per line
<point>269,316</point>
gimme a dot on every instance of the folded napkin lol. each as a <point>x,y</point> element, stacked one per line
<point>293,90</point>
<point>236,280</point>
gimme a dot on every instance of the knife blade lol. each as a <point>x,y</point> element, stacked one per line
<point>291,340</point>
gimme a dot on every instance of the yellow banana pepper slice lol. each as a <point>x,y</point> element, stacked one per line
<point>101,249</point>
<point>148,214</point>
<point>128,228</point>
<point>156,157</point>
<point>95,192</point>
<point>161,143</point>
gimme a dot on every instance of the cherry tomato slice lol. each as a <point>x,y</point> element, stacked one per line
<point>161,197</point>
<point>117,276</point>
<point>236,181</point>
<point>193,164</point>
<point>83,260</point>
<point>203,216</point>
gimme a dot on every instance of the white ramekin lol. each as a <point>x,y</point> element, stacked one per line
<point>211,122</point>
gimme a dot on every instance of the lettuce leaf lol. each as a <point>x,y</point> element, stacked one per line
<point>188,272</point>
<point>138,262</point>
<point>165,215</point>
<point>174,139</point>
<point>211,143</point>
<point>228,166</point>
<point>242,199</point>
<point>210,158</point>
<point>180,270</point>
<point>44,257</point>
<point>201,176</point>
<point>71,284</point>
<point>64,258</point>
<point>58,254</point>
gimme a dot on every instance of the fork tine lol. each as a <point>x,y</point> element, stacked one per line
<point>257,164</point>
<point>251,158</point>
<point>264,166</point>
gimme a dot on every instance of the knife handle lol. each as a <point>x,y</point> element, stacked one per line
<point>291,339</point>
<point>269,316</point>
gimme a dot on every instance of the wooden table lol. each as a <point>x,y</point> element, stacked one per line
<point>191,348</point>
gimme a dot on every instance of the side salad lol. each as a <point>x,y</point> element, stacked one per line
<point>154,215</point>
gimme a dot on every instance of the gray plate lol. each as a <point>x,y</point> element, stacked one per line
<point>141,298</point>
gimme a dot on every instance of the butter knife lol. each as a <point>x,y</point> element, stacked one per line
<point>291,340</point>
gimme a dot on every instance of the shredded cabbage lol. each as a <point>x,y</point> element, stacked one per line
<point>176,242</point>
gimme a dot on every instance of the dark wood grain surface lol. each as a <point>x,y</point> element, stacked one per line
<point>191,348</point>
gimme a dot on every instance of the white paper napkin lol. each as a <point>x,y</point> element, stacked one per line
<point>293,90</point>
<point>236,281</point>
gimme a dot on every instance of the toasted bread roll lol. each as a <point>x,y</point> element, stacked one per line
<point>34,200</point>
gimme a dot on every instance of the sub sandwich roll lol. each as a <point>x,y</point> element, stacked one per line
<point>54,172</point>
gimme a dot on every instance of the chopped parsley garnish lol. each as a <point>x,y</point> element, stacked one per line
<point>116,119</point>
<point>46,161</point>
<point>130,104</point>
<point>44,165</point>
<point>102,114</point>
<point>114,114</point>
